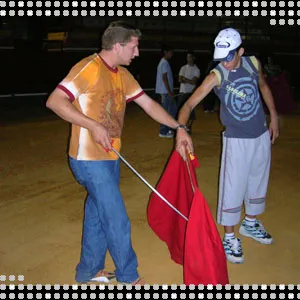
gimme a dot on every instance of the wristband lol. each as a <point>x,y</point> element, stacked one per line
<point>181,126</point>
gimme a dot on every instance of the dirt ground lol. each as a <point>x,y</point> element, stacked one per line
<point>41,204</point>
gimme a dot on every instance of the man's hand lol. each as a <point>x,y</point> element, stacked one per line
<point>184,143</point>
<point>274,128</point>
<point>101,136</point>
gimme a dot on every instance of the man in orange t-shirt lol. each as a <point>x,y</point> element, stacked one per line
<point>93,98</point>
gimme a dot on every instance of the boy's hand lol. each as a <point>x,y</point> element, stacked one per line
<point>274,129</point>
<point>184,143</point>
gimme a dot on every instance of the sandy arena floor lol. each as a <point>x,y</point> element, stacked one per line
<point>41,204</point>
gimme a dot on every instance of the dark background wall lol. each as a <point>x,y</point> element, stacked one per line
<point>33,63</point>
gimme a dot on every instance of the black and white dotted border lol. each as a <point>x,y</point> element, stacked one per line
<point>93,291</point>
<point>173,291</point>
<point>278,12</point>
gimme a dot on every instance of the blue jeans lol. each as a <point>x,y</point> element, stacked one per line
<point>169,104</point>
<point>106,225</point>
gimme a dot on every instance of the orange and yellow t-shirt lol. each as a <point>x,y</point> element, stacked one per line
<point>101,93</point>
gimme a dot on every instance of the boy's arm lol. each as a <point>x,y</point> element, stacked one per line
<point>199,94</point>
<point>269,100</point>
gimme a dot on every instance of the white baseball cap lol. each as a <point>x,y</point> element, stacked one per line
<point>226,42</point>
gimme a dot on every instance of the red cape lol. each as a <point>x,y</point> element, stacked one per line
<point>195,243</point>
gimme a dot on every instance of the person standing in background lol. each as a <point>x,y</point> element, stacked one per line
<point>165,88</point>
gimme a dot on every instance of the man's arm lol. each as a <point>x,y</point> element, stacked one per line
<point>200,93</point>
<point>269,100</point>
<point>60,104</point>
<point>166,82</point>
<point>160,115</point>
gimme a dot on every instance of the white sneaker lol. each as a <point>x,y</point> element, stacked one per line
<point>104,276</point>
<point>256,232</point>
<point>233,250</point>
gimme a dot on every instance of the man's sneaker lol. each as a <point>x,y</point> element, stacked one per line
<point>233,250</point>
<point>104,276</point>
<point>256,232</point>
<point>168,135</point>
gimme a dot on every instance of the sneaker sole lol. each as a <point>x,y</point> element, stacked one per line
<point>103,279</point>
<point>234,260</point>
<point>243,232</point>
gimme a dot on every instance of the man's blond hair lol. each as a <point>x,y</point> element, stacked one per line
<point>118,32</point>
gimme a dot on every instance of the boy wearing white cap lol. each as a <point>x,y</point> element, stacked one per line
<point>238,80</point>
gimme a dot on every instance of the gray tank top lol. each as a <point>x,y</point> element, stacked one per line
<point>241,112</point>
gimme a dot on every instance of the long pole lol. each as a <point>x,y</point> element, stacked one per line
<point>150,186</point>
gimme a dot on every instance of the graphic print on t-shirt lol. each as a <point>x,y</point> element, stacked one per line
<point>242,99</point>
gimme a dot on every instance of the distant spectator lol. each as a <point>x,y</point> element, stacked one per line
<point>165,88</point>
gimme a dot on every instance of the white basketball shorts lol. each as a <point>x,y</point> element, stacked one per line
<point>244,177</point>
